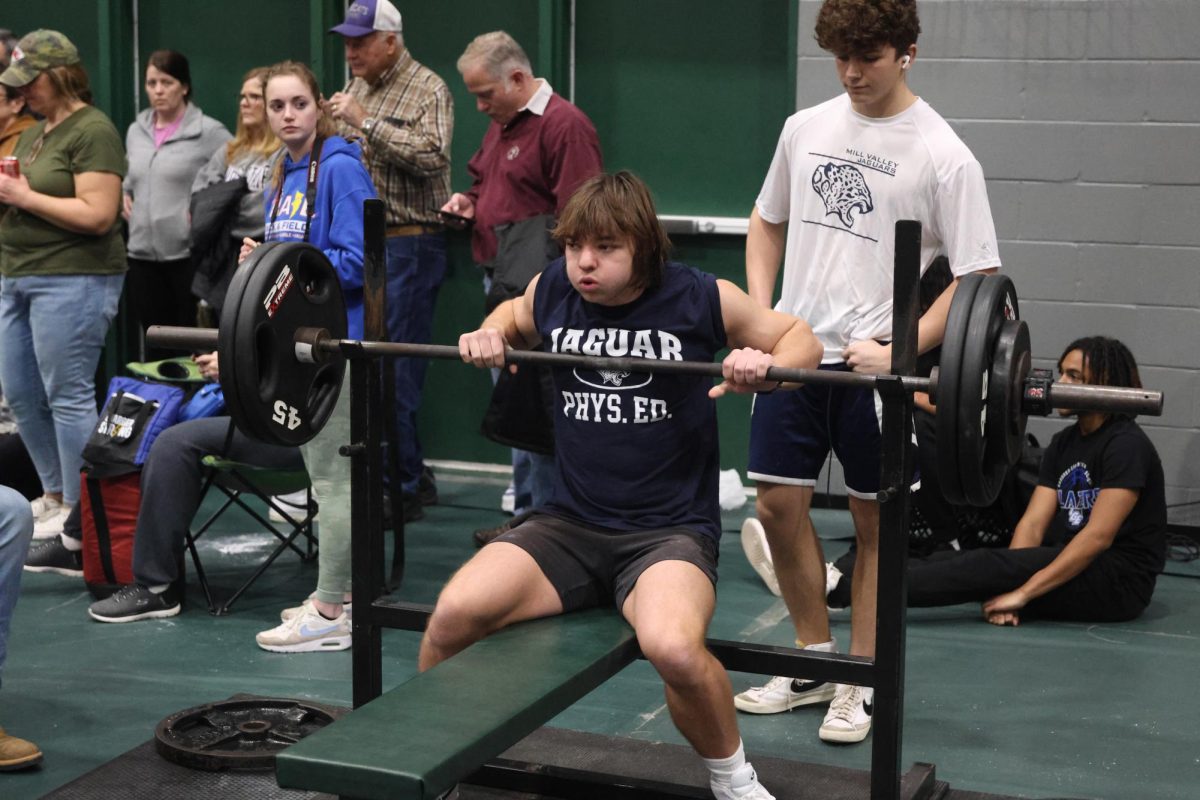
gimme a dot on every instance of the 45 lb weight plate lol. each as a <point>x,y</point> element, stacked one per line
<point>270,394</point>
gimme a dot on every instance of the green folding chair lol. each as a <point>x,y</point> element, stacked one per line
<point>236,481</point>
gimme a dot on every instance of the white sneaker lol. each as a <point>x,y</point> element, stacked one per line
<point>293,503</point>
<point>758,553</point>
<point>508,502</point>
<point>307,632</point>
<point>849,717</point>
<point>783,694</point>
<point>743,785</point>
<point>49,515</point>
<point>294,611</point>
<point>833,576</point>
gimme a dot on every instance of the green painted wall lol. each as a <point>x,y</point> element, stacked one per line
<point>683,92</point>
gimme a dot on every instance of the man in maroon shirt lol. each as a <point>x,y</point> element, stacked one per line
<point>537,151</point>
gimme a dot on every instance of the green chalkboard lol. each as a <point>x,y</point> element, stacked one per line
<point>690,94</point>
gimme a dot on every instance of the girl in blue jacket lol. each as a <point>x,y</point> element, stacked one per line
<point>296,114</point>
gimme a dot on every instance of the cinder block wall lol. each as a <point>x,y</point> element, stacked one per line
<point>1085,115</point>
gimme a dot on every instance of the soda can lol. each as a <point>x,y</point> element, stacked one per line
<point>10,165</point>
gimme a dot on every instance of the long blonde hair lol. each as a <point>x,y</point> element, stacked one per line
<point>258,140</point>
<point>326,127</point>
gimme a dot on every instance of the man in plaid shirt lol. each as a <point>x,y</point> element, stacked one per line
<point>403,115</point>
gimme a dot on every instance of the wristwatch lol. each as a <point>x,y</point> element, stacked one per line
<point>367,125</point>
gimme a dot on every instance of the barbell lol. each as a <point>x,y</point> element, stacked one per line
<point>282,351</point>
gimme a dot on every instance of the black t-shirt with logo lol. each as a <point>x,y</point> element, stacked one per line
<point>1118,455</point>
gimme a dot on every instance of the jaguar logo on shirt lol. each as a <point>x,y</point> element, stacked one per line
<point>844,190</point>
<point>609,376</point>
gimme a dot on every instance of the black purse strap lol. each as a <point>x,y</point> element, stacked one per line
<point>103,536</point>
<point>310,189</point>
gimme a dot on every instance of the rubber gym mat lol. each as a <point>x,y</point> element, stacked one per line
<point>787,780</point>
<point>142,774</point>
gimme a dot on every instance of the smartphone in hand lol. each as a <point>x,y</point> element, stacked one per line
<point>457,221</point>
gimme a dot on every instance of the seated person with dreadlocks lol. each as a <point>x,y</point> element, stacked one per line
<point>1093,539</point>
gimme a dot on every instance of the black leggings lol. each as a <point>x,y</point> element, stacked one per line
<point>1107,591</point>
<point>159,293</point>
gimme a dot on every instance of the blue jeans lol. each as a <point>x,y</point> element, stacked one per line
<point>51,330</point>
<point>16,529</point>
<point>416,267</point>
<point>533,478</point>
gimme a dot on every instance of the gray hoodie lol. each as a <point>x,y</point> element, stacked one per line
<point>160,181</point>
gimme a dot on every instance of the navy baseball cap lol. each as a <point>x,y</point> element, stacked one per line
<point>367,16</point>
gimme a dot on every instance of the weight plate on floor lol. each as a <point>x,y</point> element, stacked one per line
<point>1011,362</point>
<point>982,472</point>
<point>237,734</point>
<point>949,372</point>
<point>271,395</point>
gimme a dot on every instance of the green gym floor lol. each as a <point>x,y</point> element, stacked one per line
<point>1044,710</point>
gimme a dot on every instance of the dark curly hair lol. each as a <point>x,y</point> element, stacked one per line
<point>847,27</point>
<point>1107,362</point>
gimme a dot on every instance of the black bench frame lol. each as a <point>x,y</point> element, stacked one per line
<point>375,610</point>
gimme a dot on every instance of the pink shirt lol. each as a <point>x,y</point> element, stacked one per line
<point>530,166</point>
<point>162,134</point>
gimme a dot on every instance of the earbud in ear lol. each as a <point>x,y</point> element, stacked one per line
<point>904,62</point>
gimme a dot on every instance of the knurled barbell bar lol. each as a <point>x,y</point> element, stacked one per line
<point>282,350</point>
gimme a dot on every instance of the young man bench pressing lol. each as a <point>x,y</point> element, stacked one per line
<point>633,519</point>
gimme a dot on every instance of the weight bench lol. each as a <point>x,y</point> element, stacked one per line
<point>425,735</point>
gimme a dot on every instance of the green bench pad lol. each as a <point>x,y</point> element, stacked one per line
<point>420,738</point>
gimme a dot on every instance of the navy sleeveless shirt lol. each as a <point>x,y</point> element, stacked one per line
<point>634,451</point>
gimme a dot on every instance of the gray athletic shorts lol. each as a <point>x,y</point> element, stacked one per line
<point>590,566</point>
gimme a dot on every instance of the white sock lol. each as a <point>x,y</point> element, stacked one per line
<point>74,545</point>
<point>159,589</point>
<point>722,769</point>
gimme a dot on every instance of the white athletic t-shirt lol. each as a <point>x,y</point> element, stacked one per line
<point>841,181</point>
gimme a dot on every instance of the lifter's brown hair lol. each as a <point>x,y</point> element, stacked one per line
<point>618,206</point>
<point>855,27</point>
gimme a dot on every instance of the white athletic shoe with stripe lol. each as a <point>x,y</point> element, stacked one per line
<point>783,694</point>
<point>849,717</point>
<point>307,632</point>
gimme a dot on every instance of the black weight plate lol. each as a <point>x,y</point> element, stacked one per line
<point>276,397</point>
<point>228,346</point>
<point>237,734</point>
<point>1006,420</point>
<point>949,373</point>
<point>995,302</point>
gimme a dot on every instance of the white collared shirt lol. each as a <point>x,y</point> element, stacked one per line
<point>541,98</point>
